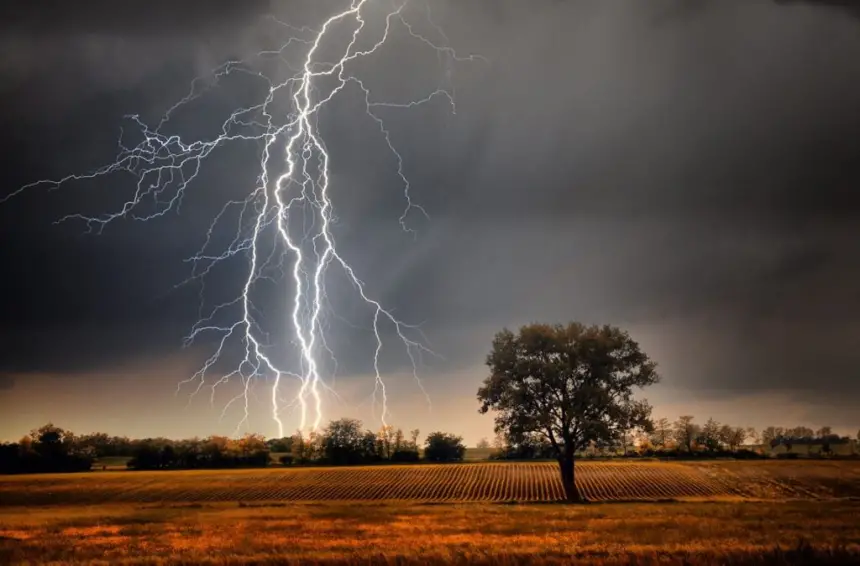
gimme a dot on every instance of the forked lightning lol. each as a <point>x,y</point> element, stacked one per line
<point>291,202</point>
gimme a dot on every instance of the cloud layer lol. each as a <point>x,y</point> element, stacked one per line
<point>685,169</point>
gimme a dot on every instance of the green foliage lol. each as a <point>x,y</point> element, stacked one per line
<point>46,449</point>
<point>573,384</point>
<point>405,456</point>
<point>525,447</point>
<point>444,447</point>
<point>284,444</point>
<point>214,452</point>
<point>733,437</point>
<point>685,432</point>
<point>661,436</point>
<point>709,436</point>
<point>343,442</point>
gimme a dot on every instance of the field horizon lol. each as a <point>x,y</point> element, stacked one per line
<point>474,482</point>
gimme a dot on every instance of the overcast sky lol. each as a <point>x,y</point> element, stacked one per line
<point>687,170</point>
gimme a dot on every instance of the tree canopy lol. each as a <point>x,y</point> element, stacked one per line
<point>444,447</point>
<point>573,384</point>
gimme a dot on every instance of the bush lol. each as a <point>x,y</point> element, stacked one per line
<point>444,447</point>
<point>16,459</point>
<point>405,456</point>
<point>286,459</point>
<point>788,456</point>
<point>344,443</point>
<point>214,452</point>
<point>745,454</point>
<point>527,447</point>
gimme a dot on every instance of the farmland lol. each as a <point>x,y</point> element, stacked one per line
<point>453,483</point>
<point>672,513</point>
<point>402,533</point>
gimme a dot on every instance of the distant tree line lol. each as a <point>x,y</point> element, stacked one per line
<point>345,442</point>
<point>342,442</point>
<point>45,449</point>
<point>682,438</point>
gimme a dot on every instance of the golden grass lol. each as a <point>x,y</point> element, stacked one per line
<point>479,482</point>
<point>387,533</point>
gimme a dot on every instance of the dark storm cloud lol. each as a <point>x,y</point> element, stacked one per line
<point>144,18</point>
<point>689,167</point>
<point>700,172</point>
<point>848,6</point>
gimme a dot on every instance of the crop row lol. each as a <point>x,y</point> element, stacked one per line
<point>430,483</point>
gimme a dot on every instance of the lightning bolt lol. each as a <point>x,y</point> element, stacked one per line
<point>288,216</point>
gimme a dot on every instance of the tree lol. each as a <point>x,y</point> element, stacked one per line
<point>733,437</point>
<point>626,439</point>
<point>251,443</point>
<point>752,434</point>
<point>572,385</point>
<point>146,456</point>
<point>483,444</point>
<point>386,437</point>
<point>528,446</point>
<point>49,440</point>
<point>643,442</point>
<point>444,447</point>
<point>399,442</point>
<point>406,450</point>
<point>771,434</point>
<point>685,432</point>
<point>627,430</point>
<point>662,433</point>
<point>800,432</point>
<point>284,444</point>
<point>369,446</point>
<point>824,432</point>
<point>306,449</point>
<point>342,442</point>
<point>709,436</point>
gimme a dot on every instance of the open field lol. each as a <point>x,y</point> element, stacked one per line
<point>403,533</point>
<point>479,482</point>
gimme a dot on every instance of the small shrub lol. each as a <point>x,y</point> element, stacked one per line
<point>444,447</point>
<point>405,456</point>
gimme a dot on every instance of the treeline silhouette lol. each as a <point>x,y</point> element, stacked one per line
<point>342,442</point>
<point>685,439</point>
<point>347,442</point>
<point>44,450</point>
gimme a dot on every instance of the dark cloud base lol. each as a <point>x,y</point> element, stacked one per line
<point>681,166</point>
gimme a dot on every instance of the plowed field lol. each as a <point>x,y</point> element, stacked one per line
<point>491,482</point>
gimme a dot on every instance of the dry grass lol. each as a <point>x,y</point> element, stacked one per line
<point>486,482</point>
<point>724,533</point>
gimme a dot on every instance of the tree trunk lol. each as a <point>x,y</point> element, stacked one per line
<point>568,479</point>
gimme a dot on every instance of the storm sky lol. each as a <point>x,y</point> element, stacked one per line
<point>687,170</point>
